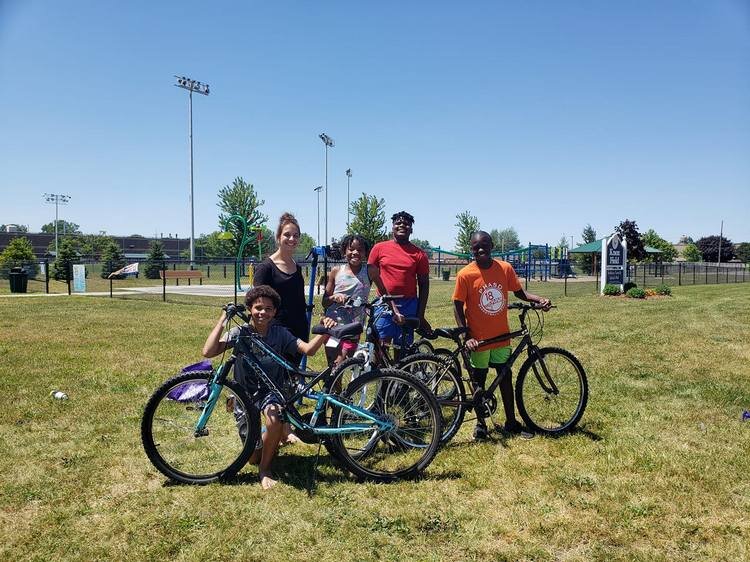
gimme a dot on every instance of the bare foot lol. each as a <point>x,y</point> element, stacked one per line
<point>266,482</point>
<point>291,439</point>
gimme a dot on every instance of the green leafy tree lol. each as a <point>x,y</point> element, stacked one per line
<point>18,253</point>
<point>467,225</point>
<point>67,255</point>
<point>306,243</point>
<point>240,199</point>
<point>743,252</point>
<point>668,252</point>
<point>368,218</point>
<point>628,230</point>
<point>424,244</point>
<point>709,247</point>
<point>155,260</point>
<point>505,240</point>
<point>63,227</point>
<point>93,245</point>
<point>692,253</point>
<point>685,239</point>
<point>19,227</point>
<point>586,261</point>
<point>211,247</point>
<point>112,259</point>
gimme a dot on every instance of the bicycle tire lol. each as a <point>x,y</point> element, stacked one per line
<point>544,410</point>
<point>345,372</point>
<point>409,447</point>
<point>422,345</point>
<point>445,383</point>
<point>168,430</point>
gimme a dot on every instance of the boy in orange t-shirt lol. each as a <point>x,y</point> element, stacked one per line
<point>480,302</point>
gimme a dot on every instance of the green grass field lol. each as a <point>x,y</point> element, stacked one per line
<point>659,469</point>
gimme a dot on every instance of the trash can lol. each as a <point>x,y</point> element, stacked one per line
<point>19,280</point>
<point>446,274</point>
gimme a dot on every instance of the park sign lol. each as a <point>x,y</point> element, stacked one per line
<point>79,278</point>
<point>614,262</point>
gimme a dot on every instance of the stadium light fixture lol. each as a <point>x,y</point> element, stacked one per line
<point>328,142</point>
<point>200,88</point>
<point>58,199</point>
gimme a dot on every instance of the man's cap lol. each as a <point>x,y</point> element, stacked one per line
<point>403,215</point>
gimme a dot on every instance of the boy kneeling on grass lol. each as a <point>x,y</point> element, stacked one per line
<point>262,302</point>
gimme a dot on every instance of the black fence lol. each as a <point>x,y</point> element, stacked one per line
<point>42,277</point>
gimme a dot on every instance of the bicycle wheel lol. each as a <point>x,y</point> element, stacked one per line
<point>423,345</point>
<point>220,450</point>
<point>440,376</point>
<point>345,372</point>
<point>407,446</point>
<point>551,391</point>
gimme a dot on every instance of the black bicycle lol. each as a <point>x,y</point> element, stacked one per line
<point>416,358</point>
<point>202,426</point>
<point>551,388</point>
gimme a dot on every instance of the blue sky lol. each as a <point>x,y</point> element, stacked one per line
<point>541,115</point>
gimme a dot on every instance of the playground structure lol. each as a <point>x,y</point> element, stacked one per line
<point>535,261</point>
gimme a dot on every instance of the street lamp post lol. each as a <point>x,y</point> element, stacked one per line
<point>191,86</point>
<point>58,199</point>
<point>348,204</point>
<point>328,141</point>
<point>317,190</point>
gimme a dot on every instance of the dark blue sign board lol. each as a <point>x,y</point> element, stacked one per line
<point>614,262</point>
<point>615,251</point>
<point>615,277</point>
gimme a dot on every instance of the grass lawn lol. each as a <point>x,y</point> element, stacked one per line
<point>659,469</point>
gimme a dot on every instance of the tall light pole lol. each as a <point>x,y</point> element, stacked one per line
<point>328,141</point>
<point>191,86</point>
<point>317,190</point>
<point>58,199</point>
<point>348,204</point>
<point>721,235</point>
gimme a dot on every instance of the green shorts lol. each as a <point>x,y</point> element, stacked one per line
<point>483,359</point>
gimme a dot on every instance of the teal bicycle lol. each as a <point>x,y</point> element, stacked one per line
<point>202,426</point>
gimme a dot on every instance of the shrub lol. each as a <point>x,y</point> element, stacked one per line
<point>611,290</point>
<point>636,293</point>
<point>67,255</point>
<point>155,260</point>
<point>112,260</point>
<point>629,285</point>
<point>665,290</point>
<point>19,253</point>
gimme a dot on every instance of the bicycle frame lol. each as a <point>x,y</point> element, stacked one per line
<point>375,351</point>
<point>525,343</point>
<point>246,354</point>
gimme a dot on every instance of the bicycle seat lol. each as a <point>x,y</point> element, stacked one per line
<point>339,332</point>
<point>450,333</point>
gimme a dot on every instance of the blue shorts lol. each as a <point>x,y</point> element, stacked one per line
<point>387,328</point>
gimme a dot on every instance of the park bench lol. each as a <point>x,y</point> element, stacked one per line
<point>178,274</point>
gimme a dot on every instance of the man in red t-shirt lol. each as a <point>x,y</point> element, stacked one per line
<point>480,302</point>
<point>398,267</point>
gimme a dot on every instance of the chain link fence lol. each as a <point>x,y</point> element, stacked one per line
<point>183,281</point>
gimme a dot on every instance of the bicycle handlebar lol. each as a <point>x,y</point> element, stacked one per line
<point>525,306</point>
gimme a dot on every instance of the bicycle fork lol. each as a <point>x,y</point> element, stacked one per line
<point>551,387</point>
<point>213,398</point>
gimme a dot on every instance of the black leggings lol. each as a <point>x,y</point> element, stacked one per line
<point>479,379</point>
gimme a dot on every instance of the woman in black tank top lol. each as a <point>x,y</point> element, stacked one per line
<point>281,272</point>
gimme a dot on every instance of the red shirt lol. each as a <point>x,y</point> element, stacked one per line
<point>399,266</point>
